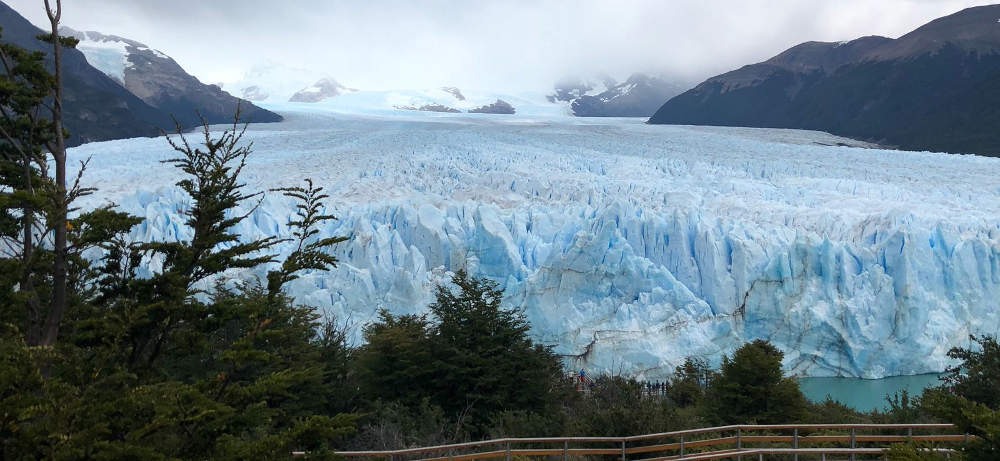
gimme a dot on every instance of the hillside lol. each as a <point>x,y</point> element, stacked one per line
<point>935,88</point>
<point>96,107</point>
<point>162,83</point>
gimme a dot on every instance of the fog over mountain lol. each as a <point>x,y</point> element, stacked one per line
<point>514,45</point>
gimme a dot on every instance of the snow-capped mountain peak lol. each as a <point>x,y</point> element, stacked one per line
<point>325,88</point>
<point>110,54</point>
<point>274,82</point>
<point>638,96</point>
<point>161,82</point>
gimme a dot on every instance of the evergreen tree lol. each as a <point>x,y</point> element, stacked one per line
<point>164,367</point>
<point>968,397</point>
<point>689,383</point>
<point>750,388</point>
<point>397,363</point>
<point>25,188</point>
<point>486,360</point>
<point>473,358</point>
<point>977,376</point>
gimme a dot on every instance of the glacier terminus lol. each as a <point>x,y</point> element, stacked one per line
<point>629,246</point>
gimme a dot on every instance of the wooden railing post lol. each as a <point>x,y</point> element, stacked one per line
<point>682,446</point>
<point>739,442</point>
<point>853,432</point>
<point>508,451</point>
<point>623,450</point>
<point>795,442</point>
<point>565,450</point>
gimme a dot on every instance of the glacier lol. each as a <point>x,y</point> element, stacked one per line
<point>629,246</point>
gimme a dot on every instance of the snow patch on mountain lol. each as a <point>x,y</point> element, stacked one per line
<point>109,53</point>
<point>107,56</point>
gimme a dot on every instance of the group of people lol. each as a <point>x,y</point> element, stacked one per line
<point>648,388</point>
<point>654,388</point>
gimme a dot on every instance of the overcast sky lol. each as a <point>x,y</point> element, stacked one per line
<point>375,44</point>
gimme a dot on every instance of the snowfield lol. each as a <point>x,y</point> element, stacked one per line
<point>629,246</point>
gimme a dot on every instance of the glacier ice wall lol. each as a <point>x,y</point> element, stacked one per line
<point>630,247</point>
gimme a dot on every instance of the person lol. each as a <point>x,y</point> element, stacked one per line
<point>583,375</point>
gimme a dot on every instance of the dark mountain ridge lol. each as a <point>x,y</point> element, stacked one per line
<point>96,107</point>
<point>936,88</point>
<point>162,83</point>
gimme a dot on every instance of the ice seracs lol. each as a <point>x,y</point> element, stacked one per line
<point>629,246</point>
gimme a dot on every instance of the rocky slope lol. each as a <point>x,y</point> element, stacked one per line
<point>498,107</point>
<point>935,88</point>
<point>430,108</point>
<point>95,106</point>
<point>160,82</point>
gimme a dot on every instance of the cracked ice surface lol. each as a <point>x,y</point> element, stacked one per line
<point>629,246</point>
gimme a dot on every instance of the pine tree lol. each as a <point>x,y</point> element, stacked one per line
<point>171,366</point>
<point>751,388</point>
<point>472,357</point>
<point>968,397</point>
<point>24,187</point>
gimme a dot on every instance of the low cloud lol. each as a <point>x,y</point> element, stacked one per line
<point>499,45</point>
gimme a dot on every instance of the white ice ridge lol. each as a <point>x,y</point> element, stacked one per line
<point>630,246</point>
<point>111,54</point>
<point>110,57</point>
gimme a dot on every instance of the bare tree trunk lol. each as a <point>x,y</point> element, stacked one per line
<point>59,297</point>
<point>27,281</point>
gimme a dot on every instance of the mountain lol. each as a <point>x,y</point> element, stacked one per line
<point>571,88</point>
<point>430,108</point>
<point>160,82</point>
<point>936,88</point>
<point>95,107</point>
<point>639,96</point>
<point>454,91</point>
<point>498,107</point>
<point>274,82</point>
<point>323,89</point>
<point>448,99</point>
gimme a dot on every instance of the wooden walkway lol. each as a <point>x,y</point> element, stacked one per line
<point>810,441</point>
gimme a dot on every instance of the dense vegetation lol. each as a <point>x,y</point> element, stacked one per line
<point>151,352</point>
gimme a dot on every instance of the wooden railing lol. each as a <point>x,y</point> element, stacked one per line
<point>814,441</point>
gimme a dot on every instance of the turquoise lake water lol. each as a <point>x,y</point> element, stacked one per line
<point>865,394</point>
